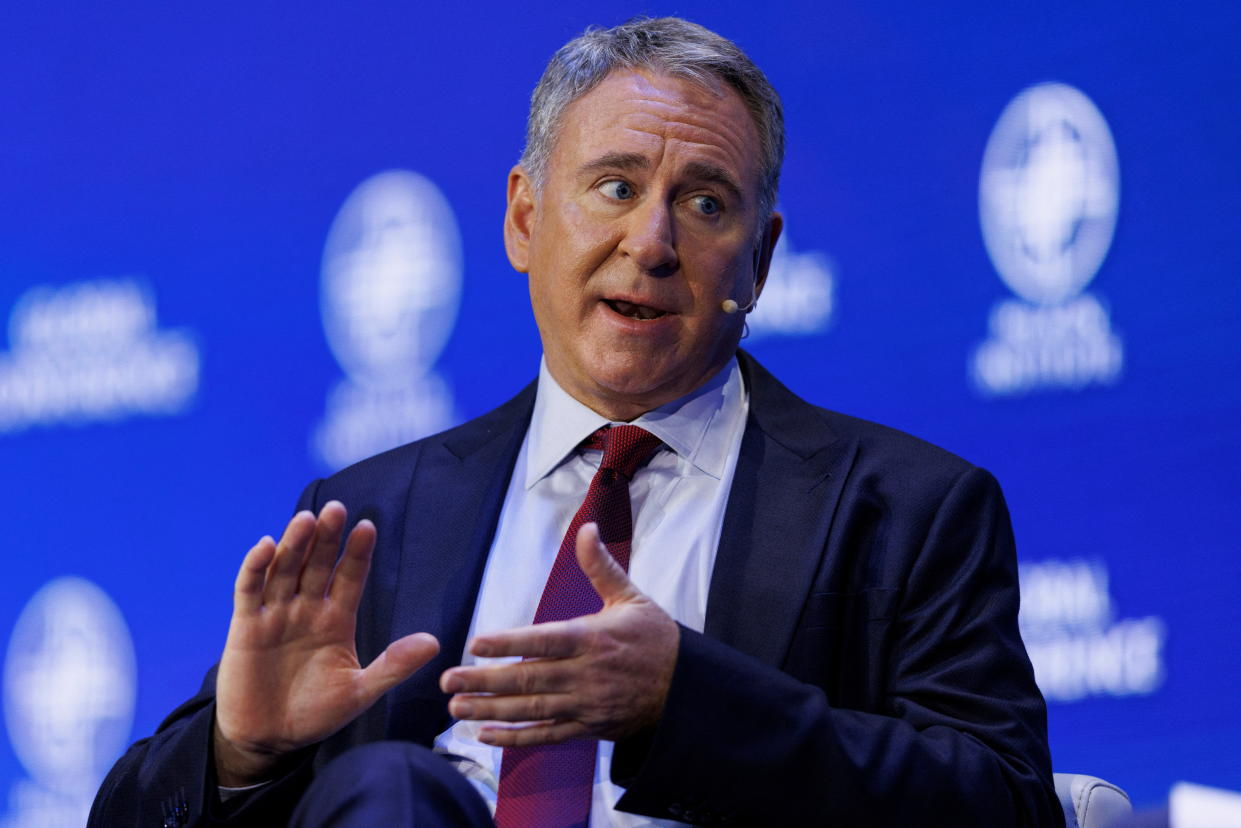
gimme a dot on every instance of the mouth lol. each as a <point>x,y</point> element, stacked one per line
<point>632,310</point>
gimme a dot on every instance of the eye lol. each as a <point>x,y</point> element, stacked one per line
<point>707,205</point>
<point>617,189</point>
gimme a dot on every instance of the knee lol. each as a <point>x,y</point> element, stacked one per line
<point>381,763</point>
<point>392,782</point>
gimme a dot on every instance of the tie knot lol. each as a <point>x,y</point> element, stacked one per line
<point>625,448</point>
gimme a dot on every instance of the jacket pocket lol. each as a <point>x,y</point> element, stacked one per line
<point>836,610</point>
<point>842,644</point>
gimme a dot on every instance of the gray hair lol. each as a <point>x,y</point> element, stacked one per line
<point>667,44</point>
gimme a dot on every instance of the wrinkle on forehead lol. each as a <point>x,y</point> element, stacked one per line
<point>666,112</point>
<point>701,132</point>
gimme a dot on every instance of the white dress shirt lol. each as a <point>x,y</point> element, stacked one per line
<point>678,501</point>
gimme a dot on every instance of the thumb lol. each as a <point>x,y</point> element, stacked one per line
<point>398,662</point>
<point>605,574</point>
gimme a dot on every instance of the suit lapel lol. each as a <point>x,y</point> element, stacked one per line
<point>454,501</point>
<point>785,489</point>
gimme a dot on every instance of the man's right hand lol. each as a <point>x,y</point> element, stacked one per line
<point>290,676</point>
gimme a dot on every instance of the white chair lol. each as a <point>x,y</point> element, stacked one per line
<point>1090,802</point>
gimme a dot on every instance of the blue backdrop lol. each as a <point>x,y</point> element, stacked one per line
<point>242,245</point>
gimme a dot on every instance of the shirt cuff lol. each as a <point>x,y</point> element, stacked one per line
<point>227,793</point>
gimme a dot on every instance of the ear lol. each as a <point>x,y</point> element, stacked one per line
<point>519,218</point>
<point>762,255</point>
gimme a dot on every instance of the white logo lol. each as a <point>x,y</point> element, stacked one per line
<point>390,289</point>
<point>92,351</point>
<point>1077,646</point>
<point>1048,193</point>
<point>69,691</point>
<point>1048,196</point>
<point>799,295</point>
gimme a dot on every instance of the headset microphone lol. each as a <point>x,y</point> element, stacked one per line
<point>730,305</point>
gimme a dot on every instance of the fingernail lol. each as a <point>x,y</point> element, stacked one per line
<point>453,684</point>
<point>462,709</point>
<point>481,649</point>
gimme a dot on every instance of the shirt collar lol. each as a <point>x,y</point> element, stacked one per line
<point>699,427</point>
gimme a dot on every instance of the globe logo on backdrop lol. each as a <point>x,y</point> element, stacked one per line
<point>1048,193</point>
<point>1048,197</point>
<point>390,290</point>
<point>69,689</point>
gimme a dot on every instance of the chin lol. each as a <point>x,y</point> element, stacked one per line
<point>639,381</point>
<point>635,386</point>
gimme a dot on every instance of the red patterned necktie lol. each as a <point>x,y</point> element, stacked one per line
<point>549,786</point>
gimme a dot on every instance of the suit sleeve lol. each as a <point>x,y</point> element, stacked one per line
<point>168,779</point>
<point>959,737</point>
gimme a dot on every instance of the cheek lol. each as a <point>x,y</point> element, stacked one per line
<point>722,276</point>
<point>574,242</point>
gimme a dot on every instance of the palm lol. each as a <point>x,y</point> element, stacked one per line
<point>290,676</point>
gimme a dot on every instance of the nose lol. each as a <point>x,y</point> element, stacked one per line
<point>650,238</point>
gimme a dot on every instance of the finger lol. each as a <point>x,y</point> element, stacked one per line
<point>283,573</point>
<point>350,574</point>
<point>398,662</point>
<point>248,588</point>
<point>605,574</point>
<point>555,639</point>
<point>323,550</point>
<point>538,733</point>
<point>537,707</point>
<point>516,678</point>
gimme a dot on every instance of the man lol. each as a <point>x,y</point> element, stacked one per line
<point>818,621</point>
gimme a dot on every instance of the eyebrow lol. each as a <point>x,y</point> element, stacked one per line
<point>616,161</point>
<point>697,170</point>
<point>703,171</point>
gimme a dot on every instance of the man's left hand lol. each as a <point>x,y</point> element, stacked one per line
<point>600,676</point>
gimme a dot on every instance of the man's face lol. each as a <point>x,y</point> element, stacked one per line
<point>647,221</point>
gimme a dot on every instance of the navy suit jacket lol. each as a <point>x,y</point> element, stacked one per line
<point>861,662</point>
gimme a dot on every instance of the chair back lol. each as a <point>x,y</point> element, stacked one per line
<point>1090,802</point>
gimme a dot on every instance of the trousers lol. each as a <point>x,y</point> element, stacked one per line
<point>390,783</point>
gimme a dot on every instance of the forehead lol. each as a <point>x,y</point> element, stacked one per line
<point>670,121</point>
